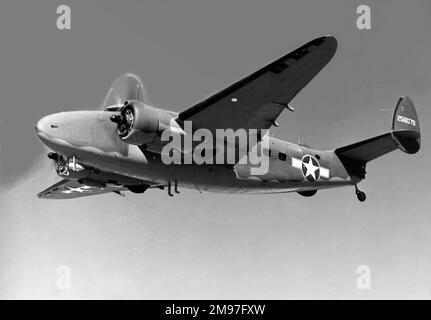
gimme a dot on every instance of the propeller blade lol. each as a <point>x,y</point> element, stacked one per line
<point>126,87</point>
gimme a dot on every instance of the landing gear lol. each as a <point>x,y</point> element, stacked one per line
<point>360,194</point>
<point>176,187</point>
<point>170,188</point>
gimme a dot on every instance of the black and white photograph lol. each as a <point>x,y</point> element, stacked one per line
<point>240,150</point>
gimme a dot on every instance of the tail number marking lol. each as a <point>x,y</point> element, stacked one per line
<point>406,120</point>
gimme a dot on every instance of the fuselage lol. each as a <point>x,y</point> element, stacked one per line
<point>92,139</point>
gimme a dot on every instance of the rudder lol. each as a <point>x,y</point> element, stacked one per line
<point>405,126</point>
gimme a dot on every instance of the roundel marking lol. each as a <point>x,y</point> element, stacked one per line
<point>310,168</point>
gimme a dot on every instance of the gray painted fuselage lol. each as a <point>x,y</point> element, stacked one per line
<point>92,139</point>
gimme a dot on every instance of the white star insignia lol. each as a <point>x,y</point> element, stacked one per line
<point>311,168</point>
<point>79,189</point>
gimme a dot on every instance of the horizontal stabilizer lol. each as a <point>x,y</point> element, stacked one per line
<point>369,149</point>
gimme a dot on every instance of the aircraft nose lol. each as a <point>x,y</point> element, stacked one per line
<point>42,126</point>
<point>50,126</point>
<point>53,130</point>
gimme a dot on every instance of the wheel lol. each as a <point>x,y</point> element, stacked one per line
<point>308,193</point>
<point>137,188</point>
<point>361,196</point>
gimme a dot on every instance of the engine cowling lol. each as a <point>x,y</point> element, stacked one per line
<point>137,123</point>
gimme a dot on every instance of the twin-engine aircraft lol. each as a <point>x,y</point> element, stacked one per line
<point>124,147</point>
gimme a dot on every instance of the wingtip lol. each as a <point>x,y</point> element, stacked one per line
<point>328,37</point>
<point>331,38</point>
<point>327,40</point>
<point>41,195</point>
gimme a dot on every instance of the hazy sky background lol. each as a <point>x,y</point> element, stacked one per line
<point>214,245</point>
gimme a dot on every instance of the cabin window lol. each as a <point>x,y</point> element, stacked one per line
<point>282,156</point>
<point>267,152</point>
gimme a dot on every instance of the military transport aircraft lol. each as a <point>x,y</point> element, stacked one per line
<point>120,148</point>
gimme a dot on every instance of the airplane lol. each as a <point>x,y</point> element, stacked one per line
<point>120,148</point>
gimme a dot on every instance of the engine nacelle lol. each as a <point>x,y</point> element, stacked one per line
<point>137,123</point>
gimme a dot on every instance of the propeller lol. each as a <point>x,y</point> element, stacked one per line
<point>127,86</point>
<point>136,122</point>
<point>124,120</point>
